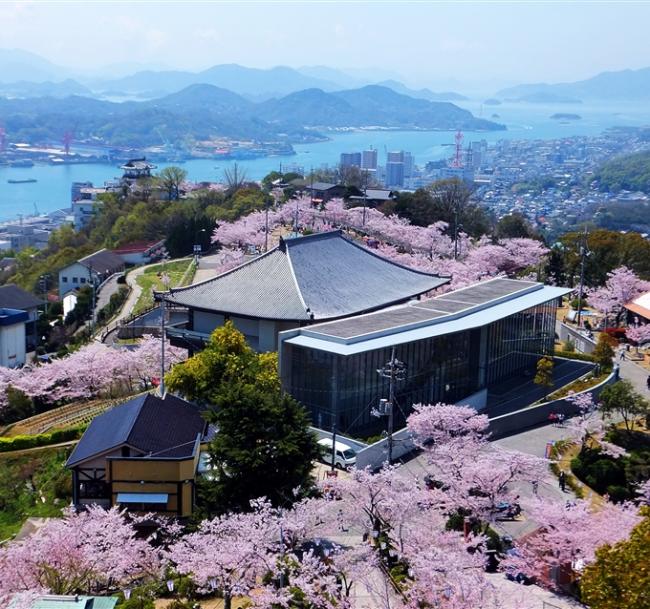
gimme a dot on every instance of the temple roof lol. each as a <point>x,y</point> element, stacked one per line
<point>317,277</point>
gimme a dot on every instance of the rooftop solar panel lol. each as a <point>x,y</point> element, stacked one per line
<point>446,306</point>
<point>486,291</point>
<point>375,322</point>
<point>460,302</point>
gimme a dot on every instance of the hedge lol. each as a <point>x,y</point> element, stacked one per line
<point>585,357</point>
<point>43,439</point>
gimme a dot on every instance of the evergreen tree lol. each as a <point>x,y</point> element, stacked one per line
<point>604,352</point>
<point>620,576</point>
<point>544,374</point>
<point>263,446</point>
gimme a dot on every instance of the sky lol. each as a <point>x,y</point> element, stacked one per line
<point>425,43</point>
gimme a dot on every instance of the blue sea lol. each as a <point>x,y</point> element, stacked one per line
<point>523,121</point>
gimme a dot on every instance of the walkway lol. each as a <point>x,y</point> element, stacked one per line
<point>104,295</point>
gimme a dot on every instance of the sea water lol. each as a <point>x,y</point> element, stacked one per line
<point>51,191</point>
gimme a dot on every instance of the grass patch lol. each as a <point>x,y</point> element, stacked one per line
<point>179,272</point>
<point>577,386</point>
<point>34,485</point>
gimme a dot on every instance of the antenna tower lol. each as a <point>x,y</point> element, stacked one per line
<point>458,158</point>
<point>3,139</point>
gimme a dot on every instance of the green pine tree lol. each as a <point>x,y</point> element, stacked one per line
<point>263,447</point>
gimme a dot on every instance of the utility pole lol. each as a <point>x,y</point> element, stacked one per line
<point>161,385</point>
<point>456,231</point>
<point>394,371</point>
<point>266,228</point>
<point>365,199</point>
<point>584,252</point>
<point>93,282</point>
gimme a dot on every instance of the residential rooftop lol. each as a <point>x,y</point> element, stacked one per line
<point>158,427</point>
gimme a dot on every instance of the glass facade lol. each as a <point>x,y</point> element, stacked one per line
<point>444,368</point>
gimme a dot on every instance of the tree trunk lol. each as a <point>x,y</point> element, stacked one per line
<point>227,600</point>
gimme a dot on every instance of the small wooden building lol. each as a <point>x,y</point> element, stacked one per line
<point>142,455</point>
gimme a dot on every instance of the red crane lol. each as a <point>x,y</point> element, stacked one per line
<point>68,137</point>
<point>458,159</point>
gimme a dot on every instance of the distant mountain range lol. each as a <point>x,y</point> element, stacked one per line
<point>24,74</point>
<point>201,112</point>
<point>625,85</point>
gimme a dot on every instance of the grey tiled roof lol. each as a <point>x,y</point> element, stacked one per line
<point>14,297</point>
<point>322,276</point>
<point>102,261</point>
<point>165,427</point>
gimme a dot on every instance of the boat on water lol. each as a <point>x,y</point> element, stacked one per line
<point>27,181</point>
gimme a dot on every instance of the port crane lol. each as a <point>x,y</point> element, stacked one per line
<point>3,138</point>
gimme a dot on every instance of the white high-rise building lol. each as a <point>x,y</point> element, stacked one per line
<point>369,159</point>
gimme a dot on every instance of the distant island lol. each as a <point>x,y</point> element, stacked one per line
<point>207,120</point>
<point>544,97</point>
<point>625,85</point>
<point>565,116</point>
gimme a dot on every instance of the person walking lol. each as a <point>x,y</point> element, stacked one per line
<point>535,484</point>
<point>562,481</point>
<point>339,518</point>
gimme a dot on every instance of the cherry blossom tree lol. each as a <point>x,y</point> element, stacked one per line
<point>427,248</point>
<point>473,476</point>
<point>568,537</point>
<point>84,552</point>
<point>638,334</point>
<point>229,553</point>
<point>622,286</point>
<point>94,370</point>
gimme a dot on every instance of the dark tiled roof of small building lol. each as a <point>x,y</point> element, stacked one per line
<point>102,261</point>
<point>165,427</point>
<point>322,186</point>
<point>322,276</point>
<point>14,297</point>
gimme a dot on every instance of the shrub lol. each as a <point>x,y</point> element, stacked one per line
<point>574,303</point>
<point>617,334</point>
<point>568,345</point>
<point>23,442</point>
<point>585,357</point>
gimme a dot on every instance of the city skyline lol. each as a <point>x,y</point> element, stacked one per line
<point>437,44</point>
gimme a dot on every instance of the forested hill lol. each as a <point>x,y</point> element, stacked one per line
<point>202,111</point>
<point>631,172</point>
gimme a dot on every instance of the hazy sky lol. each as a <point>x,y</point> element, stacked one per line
<point>426,42</point>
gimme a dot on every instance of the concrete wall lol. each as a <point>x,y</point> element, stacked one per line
<point>206,322</point>
<point>582,343</point>
<point>534,416</point>
<point>12,345</point>
<point>375,455</point>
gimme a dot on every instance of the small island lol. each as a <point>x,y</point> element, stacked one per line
<point>492,102</point>
<point>565,116</point>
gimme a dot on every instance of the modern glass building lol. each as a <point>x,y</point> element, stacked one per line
<point>453,347</point>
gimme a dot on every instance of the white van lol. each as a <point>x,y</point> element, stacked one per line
<point>345,456</point>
